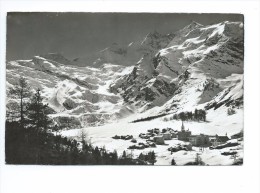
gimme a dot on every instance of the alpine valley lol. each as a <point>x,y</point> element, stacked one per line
<point>125,97</point>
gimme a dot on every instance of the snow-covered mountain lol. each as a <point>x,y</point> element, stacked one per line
<point>195,67</point>
<point>127,55</point>
<point>72,91</point>
<point>191,70</point>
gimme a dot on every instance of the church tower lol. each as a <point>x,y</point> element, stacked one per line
<point>182,127</point>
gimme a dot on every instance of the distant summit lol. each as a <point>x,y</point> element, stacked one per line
<point>57,57</point>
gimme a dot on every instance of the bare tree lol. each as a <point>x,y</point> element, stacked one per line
<point>22,91</point>
<point>84,137</point>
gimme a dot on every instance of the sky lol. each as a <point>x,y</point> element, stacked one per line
<point>82,34</point>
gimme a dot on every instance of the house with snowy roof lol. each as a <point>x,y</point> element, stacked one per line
<point>159,140</point>
<point>218,140</point>
<point>167,136</point>
<point>199,140</point>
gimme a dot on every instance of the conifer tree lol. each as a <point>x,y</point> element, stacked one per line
<point>37,113</point>
<point>114,157</point>
<point>141,157</point>
<point>196,114</point>
<point>124,154</point>
<point>151,157</point>
<point>173,163</point>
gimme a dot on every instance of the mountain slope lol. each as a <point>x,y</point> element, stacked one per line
<point>127,55</point>
<point>195,67</point>
<point>190,70</point>
<point>72,91</point>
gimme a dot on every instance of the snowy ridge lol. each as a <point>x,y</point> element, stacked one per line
<point>195,55</point>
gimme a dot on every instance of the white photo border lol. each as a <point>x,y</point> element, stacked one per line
<point>182,179</point>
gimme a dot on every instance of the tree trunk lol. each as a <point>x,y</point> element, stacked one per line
<point>21,105</point>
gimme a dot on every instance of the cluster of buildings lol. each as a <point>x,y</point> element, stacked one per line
<point>200,140</point>
<point>160,137</point>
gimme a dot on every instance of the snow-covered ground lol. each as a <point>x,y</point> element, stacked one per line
<point>217,123</point>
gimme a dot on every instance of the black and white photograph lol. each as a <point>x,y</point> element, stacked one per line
<point>129,96</point>
<point>124,89</point>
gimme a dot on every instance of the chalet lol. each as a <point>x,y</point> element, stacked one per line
<point>183,135</point>
<point>199,140</point>
<point>169,133</point>
<point>159,140</point>
<point>218,140</point>
<point>167,136</point>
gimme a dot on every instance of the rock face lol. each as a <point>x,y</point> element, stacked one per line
<point>127,55</point>
<point>195,67</point>
<point>58,58</point>
<point>197,55</point>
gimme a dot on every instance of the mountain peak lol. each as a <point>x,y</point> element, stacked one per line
<point>56,57</point>
<point>154,34</point>
<point>52,55</point>
<point>193,24</point>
